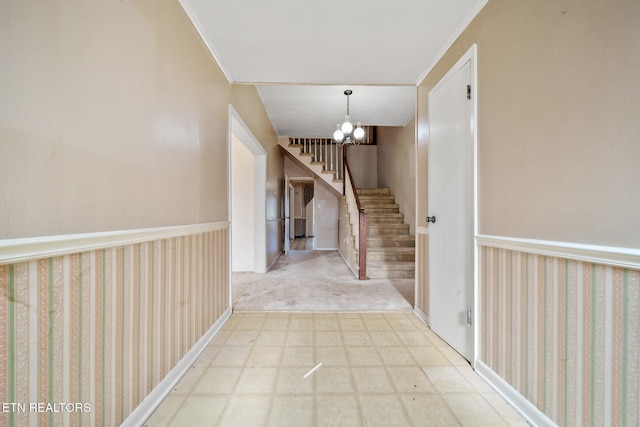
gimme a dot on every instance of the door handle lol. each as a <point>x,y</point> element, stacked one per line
<point>431,219</point>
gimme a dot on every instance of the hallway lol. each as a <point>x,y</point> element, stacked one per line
<point>379,365</point>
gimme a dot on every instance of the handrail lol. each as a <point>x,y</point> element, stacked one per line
<point>350,190</point>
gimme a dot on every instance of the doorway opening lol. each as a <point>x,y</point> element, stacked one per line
<point>247,201</point>
<point>302,211</point>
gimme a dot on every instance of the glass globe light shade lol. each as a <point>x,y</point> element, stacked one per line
<point>338,135</point>
<point>358,133</point>
<point>346,127</point>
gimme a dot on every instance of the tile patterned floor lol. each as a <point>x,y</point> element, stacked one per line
<point>377,369</point>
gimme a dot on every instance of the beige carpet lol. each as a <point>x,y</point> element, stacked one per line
<point>318,281</point>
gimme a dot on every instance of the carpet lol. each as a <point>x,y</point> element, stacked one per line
<point>318,281</point>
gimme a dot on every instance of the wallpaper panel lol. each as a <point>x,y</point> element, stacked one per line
<point>565,334</point>
<point>85,337</point>
<point>422,271</point>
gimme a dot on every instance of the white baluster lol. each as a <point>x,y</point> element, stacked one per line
<point>332,150</point>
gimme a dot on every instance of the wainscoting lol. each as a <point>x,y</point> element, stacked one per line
<point>102,319</point>
<point>422,270</point>
<point>562,331</point>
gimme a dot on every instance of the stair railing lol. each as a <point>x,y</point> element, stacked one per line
<point>357,217</point>
<point>324,150</point>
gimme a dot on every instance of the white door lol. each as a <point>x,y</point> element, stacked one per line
<point>451,202</point>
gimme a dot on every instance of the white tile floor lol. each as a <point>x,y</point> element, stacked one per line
<point>378,369</point>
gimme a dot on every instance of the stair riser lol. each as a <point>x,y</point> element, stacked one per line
<point>383,220</point>
<point>376,196</point>
<point>388,227</point>
<point>394,274</point>
<point>382,210</point>
<point>386,233</point>
<point>390,243</point>
<point>373,191</point>
<point>382,257</point>
<point>382,200</point>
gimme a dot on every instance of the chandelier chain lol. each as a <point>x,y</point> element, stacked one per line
<point>343,133</point>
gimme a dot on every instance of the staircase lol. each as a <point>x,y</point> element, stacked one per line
<point>390,248</point>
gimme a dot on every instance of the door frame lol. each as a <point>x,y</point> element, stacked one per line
<point>239,129</point>
<point>286,235</point>
<point>291,218</point>
<point>471,55</point>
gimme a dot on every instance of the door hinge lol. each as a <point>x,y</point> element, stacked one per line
<point>468,91</point>
<point>468,317</point>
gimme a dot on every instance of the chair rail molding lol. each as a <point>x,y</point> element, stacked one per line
<point>606,255</point>
<point>22,249</point>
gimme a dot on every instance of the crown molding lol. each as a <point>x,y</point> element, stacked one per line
<point>456,34</point>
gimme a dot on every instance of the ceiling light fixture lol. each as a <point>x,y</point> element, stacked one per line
<point>344,132</point>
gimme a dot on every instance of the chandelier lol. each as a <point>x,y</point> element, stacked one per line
<point>344,133</point>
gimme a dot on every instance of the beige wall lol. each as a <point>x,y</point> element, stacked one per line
<point>558,131</point>
<point>363,163</point>
<point>397,167</point>
<point>326,217</point>
<point>113,115</point>
<point>293,170</point>
<point>246,101</point>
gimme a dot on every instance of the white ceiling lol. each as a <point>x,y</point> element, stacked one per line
<point>303,54</point>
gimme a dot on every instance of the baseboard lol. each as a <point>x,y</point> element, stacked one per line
<point>151,402</point>
<point>421,314</point>
<point>526,409</point>
<point>274,260</point>
<point>355,273</point>
<point>422,230</point>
